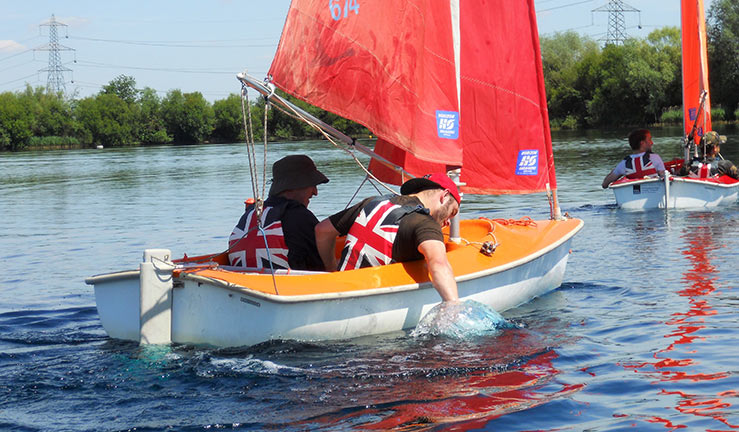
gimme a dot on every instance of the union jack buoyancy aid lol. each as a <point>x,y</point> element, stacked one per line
<point>639,166</point>
<point>370,239</point>
<point>700,169</point>
<point>247,245</point>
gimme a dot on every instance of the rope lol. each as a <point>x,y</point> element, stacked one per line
<point>524,221</point>
<point>249,138</point>
<point>264,163</point>
<point>488,249</point>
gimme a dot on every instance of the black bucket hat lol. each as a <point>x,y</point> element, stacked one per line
<point>294,172</point>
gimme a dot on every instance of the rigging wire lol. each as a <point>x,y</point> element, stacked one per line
<point>296,114</point>
<point>330,139</point>
<point>250,151</point>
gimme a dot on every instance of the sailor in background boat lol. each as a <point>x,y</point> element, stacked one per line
<point>710,165</point>
<point>386,229</point>
<point>641,162</point>
<point>286,221</point>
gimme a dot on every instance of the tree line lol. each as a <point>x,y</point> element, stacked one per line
<point>640,81</point>
<point>634,84</point>
<point>122,115</point>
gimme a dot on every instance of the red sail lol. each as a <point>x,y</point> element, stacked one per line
<point>504,129</point>
<point>695,67</point>
<point>386,64</point>
<point>400,68</point>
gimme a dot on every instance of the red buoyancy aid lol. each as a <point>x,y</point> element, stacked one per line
<point>702,170</point>
<point>639,166</point>
<point>370,239</point>
<point>251,247</point>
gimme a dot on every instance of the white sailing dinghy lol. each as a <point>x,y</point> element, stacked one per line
<point>444,84</point>
<point>675,191</point>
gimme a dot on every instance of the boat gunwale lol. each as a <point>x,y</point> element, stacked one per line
<point>109,277</point>
<point>688,180</point>
<point>278,298</point>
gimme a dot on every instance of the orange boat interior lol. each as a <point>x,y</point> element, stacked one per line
<point>516,240</point>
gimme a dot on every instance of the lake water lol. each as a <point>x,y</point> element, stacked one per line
<point>642,335</point>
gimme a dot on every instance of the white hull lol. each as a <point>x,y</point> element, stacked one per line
<point>682,192</point>
<point>213,312</point>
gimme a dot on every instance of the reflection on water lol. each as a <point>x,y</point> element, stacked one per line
<point>676,362</point>
<point>507,375</point>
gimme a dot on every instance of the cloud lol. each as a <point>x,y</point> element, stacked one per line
<point>9,46</point>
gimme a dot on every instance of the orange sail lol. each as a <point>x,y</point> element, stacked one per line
<point>442,83</point>
<point>695,68</point>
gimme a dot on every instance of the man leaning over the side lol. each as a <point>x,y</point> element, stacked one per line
<point>399,228</point>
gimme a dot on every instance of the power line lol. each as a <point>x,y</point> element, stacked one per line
<point>15,55</point>
<point>19,79</point>
<point>565,5</point>
<point>180,70</point>
<point>19,64</point>
<point>182,44</point>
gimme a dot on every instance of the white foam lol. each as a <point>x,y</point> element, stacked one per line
<point>460,320</point>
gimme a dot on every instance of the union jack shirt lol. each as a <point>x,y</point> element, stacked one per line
<point>370,239</point>
<point>639,166</point>
<point>252,247</point>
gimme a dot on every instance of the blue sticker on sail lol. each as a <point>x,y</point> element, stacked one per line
<point>528,162</point>
<point>447,124</point>
<point>692,113</point>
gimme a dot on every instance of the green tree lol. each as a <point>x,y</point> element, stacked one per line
<point>561,55</point>
<point>229,119</point>
<point>723,53</point>
<point>188,117</point>
<point>124,87</point>
<point>150,124</point>
<point>105,119</point>
<point>52,114</point>
<point>16,122</point>
<point>629,84</point>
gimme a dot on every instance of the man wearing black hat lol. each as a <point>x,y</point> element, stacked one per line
<point>286,238</point>
<point>382,230</point>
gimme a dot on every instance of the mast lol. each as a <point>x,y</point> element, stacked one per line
<point>555,211</point>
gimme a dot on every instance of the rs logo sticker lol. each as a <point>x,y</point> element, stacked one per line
<point>447,124</point>
<point>528,162</point>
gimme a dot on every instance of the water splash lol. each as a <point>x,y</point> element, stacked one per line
<point>461,320</point>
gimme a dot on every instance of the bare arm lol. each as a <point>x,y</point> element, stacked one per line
<point>610,178</point>
<point>326,243</point>
<point>440,270</point>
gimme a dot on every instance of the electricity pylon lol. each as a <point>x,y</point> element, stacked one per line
<point>616,27</point>
<point>55,78</point>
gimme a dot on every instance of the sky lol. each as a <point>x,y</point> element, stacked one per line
<point>200,45</point>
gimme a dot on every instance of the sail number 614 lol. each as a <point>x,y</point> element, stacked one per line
<point>334,6</point>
